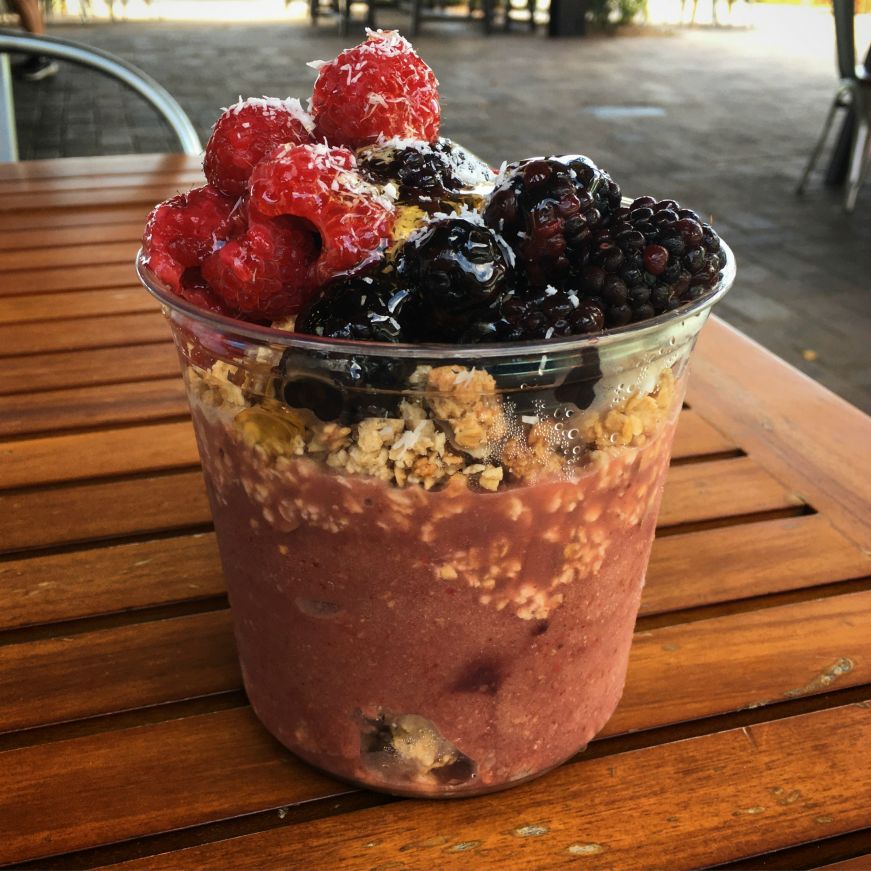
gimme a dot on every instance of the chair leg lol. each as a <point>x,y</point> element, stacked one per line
<point>818,148</point>
<point>858,163</point>
<point>415,16</point>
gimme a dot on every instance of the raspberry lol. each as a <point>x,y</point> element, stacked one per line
<point>548,209</point>
<point>321,185</point>
<point>183,231</point>
<point>380,88</point>
<point>196,291</point>
<point>264,274</point>
<point>247,132</point>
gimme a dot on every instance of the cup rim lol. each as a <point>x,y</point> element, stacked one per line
<point>433,350</point>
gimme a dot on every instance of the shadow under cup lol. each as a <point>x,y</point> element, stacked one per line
<point>434,554</point>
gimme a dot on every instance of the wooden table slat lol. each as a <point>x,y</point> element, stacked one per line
<point>32,315</point>
<point>748,560</point>
<point>40,219</point>
<point>121,164</point>
<point>68,255</point>
<point>101,181</point>
<point>132,363</point>
<point>778,784</point>
<point>38,238</point>
<point>117,785</point>
<point>26,281</point>
<point>106,404</point>
<point>80,456</point>
<point>148,195</point>
<point>83,334</point>
<point>86,583</point>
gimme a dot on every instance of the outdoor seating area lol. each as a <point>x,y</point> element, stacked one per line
<point>316,601</point>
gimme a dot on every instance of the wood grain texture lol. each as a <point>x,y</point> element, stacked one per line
<point>42,310</point>
<point>695,437</point>
<point>859,863</point>
<point>95,511</point>
<point>103,405</point>
<point>23,375</point>
<point>100,181</point>
<point>797,429</point>
<point>67,586</point>
<point>120,164</point>
<point>697,802</point>
<point>83,333</point>
<point>39,219</point>
<point>68,795</point>
<point>720,489</point>
<point>69,255</point>
<point>81,456</point>
<point>35,238</point>
<point>21,282</point>
<point>117,669</point>
<point>746,560</point>
<point>148,195</point>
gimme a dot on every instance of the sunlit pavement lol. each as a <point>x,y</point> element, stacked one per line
<point>720,118</point>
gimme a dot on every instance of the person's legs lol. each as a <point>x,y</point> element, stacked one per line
<point>36,67</point>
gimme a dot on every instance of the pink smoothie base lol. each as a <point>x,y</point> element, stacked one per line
<point>344,619</point>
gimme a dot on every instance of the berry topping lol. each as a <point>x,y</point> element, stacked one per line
<point>356,307</point>
<point>246,133</point>
<point>376,90</point>
<point>183,231</point>
<point>264,274</point>
<point>652,258</point>
<point>546,314</point>
<point>425,174</point>
<point>453,266</point>
<point>548,210</point>
<point>321,185</point>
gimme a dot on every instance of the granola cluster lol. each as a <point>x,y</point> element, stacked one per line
<point>453,428</point>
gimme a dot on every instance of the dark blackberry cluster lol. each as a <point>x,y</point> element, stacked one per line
<point>456,268</point>
<point>365,307</point>
<point>654,257</point>
<point>548,210</point>
<point>547,314</point>
<point>425,174</point>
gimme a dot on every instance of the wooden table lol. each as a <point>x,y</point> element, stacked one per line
<point>125,736</point>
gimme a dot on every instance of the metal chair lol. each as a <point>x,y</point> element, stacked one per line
<point>12,42</point>
<point>854,95</point>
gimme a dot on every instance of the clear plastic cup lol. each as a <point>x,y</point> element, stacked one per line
<point>434,554</point>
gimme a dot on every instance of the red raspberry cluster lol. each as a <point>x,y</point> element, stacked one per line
<point>285,208</point>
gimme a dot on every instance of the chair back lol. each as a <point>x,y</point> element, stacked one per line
<point>845,38</point>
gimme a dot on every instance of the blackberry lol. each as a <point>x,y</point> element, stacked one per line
<point>426,174</point>
<point>653,257</point>
<point>363,307</point>
<point>522,316</point>
<point>455,268</point>
<point>548,210</point>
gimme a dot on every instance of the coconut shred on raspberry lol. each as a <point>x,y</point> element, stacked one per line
<point>434,405</point>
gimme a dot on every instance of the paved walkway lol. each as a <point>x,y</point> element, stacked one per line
<point>722,120</point>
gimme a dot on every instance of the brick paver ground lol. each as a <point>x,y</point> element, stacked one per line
<point>729,119</point>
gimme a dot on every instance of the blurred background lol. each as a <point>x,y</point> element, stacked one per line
<point>716,104</point>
